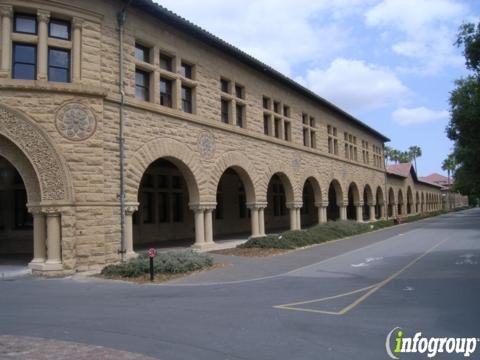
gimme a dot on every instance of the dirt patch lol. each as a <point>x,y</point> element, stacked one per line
<point>252,252</point>
<point>158,278</point>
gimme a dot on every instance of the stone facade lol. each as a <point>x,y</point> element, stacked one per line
<point>63,139</point>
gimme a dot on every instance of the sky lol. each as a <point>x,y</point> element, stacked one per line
<point>390,63</point>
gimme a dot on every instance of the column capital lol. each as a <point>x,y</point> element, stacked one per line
<point>130,209</point>
<point>51,211</point>
<point>321,204</point>
<point>203,206</point>
<point>257,205</point>
<point>6,11</point>
<point>43,16</point>
<point>294,204</point>
<point>77,23</point>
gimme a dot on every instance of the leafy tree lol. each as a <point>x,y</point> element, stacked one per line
<point>464,126</point>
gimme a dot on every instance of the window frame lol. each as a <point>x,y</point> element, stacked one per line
<point>69,67</point>
<point>20,14</point>
<point>146,86</point>
<point>35,60</point>
<point>69,28</point>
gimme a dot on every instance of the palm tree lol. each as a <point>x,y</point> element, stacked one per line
<point>415,152</point>
<point>449,166</point>
<point>404,157</point>
<point>395,155</point>
<point>387,153</point>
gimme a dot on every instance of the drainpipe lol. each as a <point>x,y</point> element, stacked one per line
<point>121,18</point>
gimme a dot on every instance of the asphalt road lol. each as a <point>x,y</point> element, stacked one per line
<point>336,301</point>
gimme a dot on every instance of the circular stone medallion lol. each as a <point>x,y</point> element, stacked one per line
<point>206,144</point>
<point>75,122</point>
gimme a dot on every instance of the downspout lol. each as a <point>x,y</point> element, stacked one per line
<point>121,18</point>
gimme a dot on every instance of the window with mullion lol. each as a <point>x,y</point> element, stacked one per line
<point>59,29</point>
<point>25,24</point>
<point>225,116</point>
<point>187,105</point>
<point>165,92</point>
<point>24,61</point>
<point>142,80</point>
<point>58,65</point>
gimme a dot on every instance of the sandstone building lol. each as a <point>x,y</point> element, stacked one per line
<point>212,143</point>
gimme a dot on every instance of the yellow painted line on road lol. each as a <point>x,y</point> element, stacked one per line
<point>370,290</point>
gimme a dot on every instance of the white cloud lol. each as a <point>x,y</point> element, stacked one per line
<point>418,115</point>
<point>422,30</point>
<point>356,85</point>
<point>282,34</point>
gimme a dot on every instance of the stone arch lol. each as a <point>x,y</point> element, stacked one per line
<point>54,181</point>
<point>353,188</point>
<point>177,153</point>
<point>367,190</point>
<point>338,191</point>
<point>21,163</point>
<point>317,189</point>
<point>391,202</point>
<point>242,166</point>
<point>409,200</point>
<point>400,203</point>
<point>354,200</point>
<point>379,200</point>
<point>287,177</point>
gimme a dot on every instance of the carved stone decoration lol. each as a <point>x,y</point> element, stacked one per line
<point>38,150</point>
<point>75,122</point>
<point>206,144</point>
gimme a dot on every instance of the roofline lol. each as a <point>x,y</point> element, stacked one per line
<point>188,27</point>
<point>417,181</point>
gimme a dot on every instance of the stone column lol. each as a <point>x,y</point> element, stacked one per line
<point>199,228</point>
<point>261,221</point>
<point>372,212</point>
<point>359,213</point>
<point>299,218</point>
<point>322,212</point>
<point>208,226</point>
<point>129,253</point>
<point>343,212</point>
<point>254,221</point>
<point>293,218</point>
<point>54,238</point>
<point>77,49</point>
<point>42,51</point>
<point>39,237</point>
<point>6,13</point>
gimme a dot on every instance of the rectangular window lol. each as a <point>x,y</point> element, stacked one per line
<point>266,124</point>
<point>187,105</point>
<point>186,70</point>
<point>239,91</point>
<point>286,111</point>
<point>313,139</point>
<point>240,115</point>
<point>330,145</point>
<point>59,29</point>
<point>287,130</point>
<point>305,119</point>
<point>225,111</point>
<point>276,107</point>
<point>335,146</point>
<point>58,65</point>
<point>266,103</point>
<point>25,23</point>
<point>166,62</point>
<point>166,92</point>
<point>278,122</point>
<point>225,85</point>
<point>142,53</point>
<point>24,62</point>
<point>142,80</point>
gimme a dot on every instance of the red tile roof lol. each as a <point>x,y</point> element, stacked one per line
<point>435,178</point>
<point>402,169</point>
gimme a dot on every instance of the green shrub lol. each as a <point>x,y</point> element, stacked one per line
<point>170,262</point>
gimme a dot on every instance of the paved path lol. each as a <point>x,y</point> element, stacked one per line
<point>336,301</point>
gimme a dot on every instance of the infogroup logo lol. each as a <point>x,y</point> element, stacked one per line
<point>397,343</point>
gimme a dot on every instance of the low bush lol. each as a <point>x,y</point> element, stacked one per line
<point>330,230</point>
<point>170,262</point>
